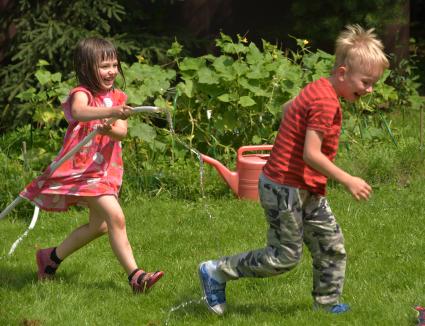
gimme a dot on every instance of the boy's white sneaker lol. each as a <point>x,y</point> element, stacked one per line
<point>214,291</point>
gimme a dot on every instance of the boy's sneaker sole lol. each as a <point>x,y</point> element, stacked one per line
<point>338,308</point>
<point>204,278</point>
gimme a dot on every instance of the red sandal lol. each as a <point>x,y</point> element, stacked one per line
<point>141,281</point>
<point>420,315</point>
<point>46,266</point>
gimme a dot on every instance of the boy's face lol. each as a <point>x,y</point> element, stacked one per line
<point>356,82</point>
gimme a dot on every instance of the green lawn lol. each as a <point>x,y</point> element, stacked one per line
<point>384,241</point>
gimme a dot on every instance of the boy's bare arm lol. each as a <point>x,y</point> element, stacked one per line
<point>285,107</point>
<point>314,157</point>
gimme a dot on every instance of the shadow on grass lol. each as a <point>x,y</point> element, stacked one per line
<point>18,277</point>
<point>193,305</point>
<point>257,308</point>
<point>98,285</point>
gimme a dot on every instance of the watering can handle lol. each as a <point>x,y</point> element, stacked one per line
<point>252,148</point>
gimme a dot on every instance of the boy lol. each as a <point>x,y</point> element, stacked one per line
<point>293,183</point>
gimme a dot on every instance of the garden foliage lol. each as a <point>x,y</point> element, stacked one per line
<point>50,30</point>
<point>218,103</point>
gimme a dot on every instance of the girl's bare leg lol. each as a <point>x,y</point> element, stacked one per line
<point>82,235</point>
<point>110,210</point>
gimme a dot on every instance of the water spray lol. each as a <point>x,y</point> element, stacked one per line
<point>202,299</point>
<point>56,164</point>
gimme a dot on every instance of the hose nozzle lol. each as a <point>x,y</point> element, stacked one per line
<point>147,109</point>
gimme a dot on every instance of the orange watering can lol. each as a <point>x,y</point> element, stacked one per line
<point>243,182</point>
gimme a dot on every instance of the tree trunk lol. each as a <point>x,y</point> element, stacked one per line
<point>396,34</point>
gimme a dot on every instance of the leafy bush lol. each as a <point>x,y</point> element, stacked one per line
<point>15,177</point>
<point>179,179</point>
<point>49,30</point>
<point>218,103</point>
<point>235,99</point>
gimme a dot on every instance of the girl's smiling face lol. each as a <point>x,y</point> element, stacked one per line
<point>108,71</point>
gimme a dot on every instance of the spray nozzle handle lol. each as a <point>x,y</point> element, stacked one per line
<point>153,109</point>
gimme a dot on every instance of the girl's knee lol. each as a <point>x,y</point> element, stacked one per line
<point>117,221</point>
<point>103,228</point>
<point>99,229</point>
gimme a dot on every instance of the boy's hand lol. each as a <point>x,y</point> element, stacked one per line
<point>359,188</point>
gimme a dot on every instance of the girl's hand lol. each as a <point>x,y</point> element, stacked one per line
<point>358,188</point>
<point>122,112</point>
<point>117,131</point>
<point>104,129</point>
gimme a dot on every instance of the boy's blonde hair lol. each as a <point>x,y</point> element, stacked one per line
<point>360,48</point>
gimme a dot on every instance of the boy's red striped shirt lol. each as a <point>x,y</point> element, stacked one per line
<point>316,107</point>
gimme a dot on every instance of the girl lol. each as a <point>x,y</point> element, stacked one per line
<point>93,176</point>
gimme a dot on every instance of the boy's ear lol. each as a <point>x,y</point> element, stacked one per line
<point>340,72</point>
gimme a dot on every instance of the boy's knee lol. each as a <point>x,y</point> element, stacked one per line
<point>334,248</point>
<point>289,262</point>
<point>285,260</point>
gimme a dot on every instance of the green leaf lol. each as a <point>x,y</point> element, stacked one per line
<point>135,97</point>
<point>157,145</point>
<point>192,64</point>
<point>257,73</point>
<point>232,48</point>
<point>207,76</point>
<point>133,73</point>
<point>43,76</point>
<point>27,95</point>
<point>254,55</point>
<point>142,131</point>
<point>175,50</point>
<point>223,66</point>
<point>276,110</point>
<point>57,77</point>
<point>246,101</point>
<point>186,88</point>
<point>224,98</point>
<point>42,63</point>
<point>241,68</point>
<point>47,115</point>
<point>256,139</point>
<point>252,88</point>
<point>227,97</point>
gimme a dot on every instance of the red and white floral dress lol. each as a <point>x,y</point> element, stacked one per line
<point>96,169</point>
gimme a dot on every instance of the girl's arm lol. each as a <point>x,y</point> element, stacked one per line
<point>81,111</point>
<point>314,157</point>
<point>117,131</point>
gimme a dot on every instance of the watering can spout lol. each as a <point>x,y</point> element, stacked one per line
<point>244,181</point>
<point>231,178</point>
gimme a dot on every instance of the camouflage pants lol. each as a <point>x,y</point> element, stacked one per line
<point>295,216</point>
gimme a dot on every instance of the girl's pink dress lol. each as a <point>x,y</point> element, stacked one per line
<point>96,169</point>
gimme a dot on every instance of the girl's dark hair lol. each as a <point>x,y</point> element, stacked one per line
<point>87,57</point>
